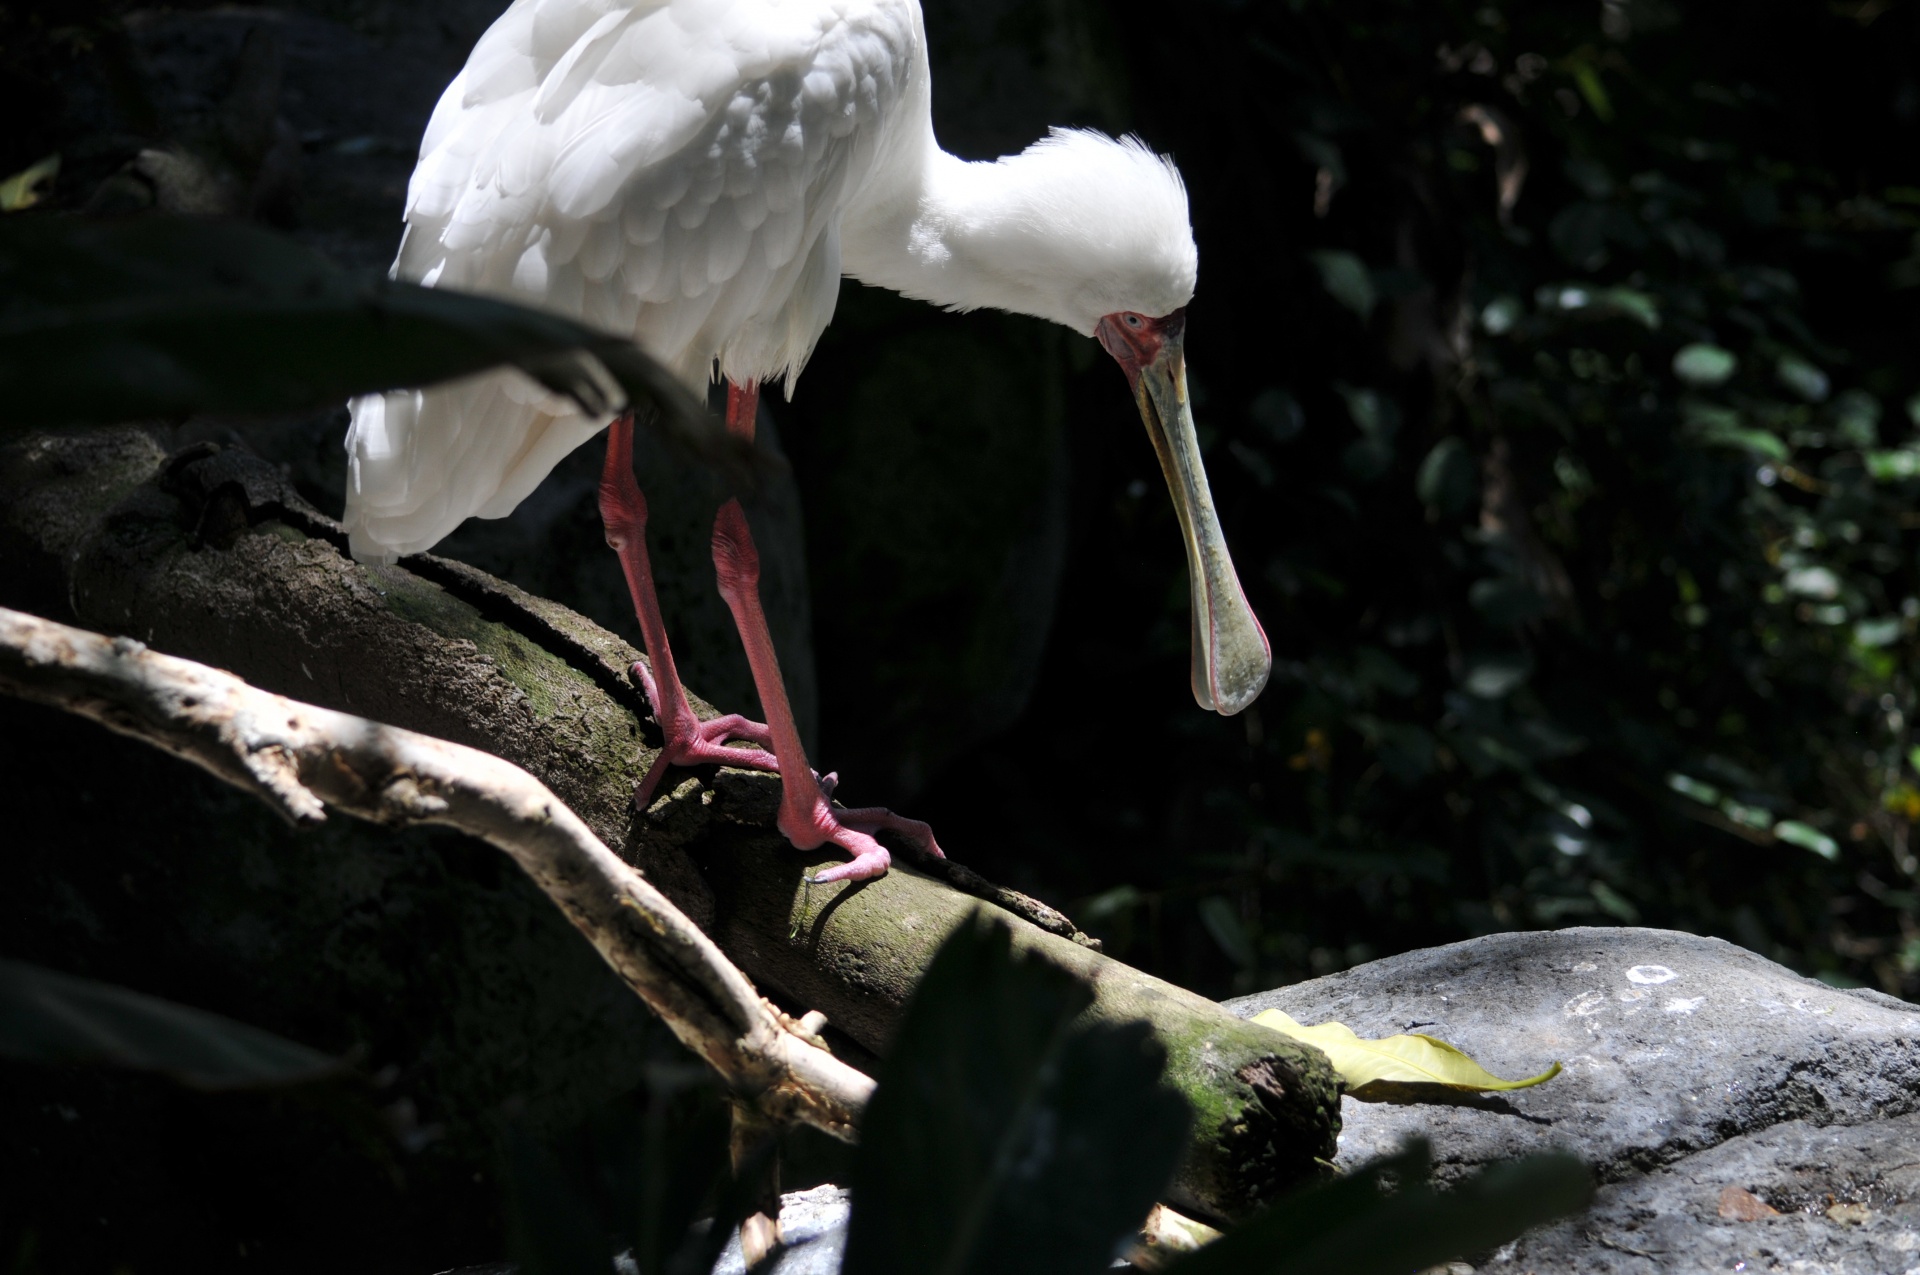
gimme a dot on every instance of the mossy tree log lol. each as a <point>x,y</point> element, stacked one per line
<point>208,554</point>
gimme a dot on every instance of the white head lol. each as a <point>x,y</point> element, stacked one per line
<point>1076,227</point>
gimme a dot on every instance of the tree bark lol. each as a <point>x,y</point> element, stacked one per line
<point>209,554</point>
<point>300,759</point>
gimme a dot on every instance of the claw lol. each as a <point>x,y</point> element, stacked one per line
<point>644,675</point>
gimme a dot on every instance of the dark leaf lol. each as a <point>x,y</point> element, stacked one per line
<point>107,321</point>
<point>686,1160</point>
<point>1352,1226</point>
<point>1506,602</point>
<point>1004,1136</point>
<point>627,1180</point>
<point>554,1230</point>
<point>1449,478</point>
<point>51,1017</point>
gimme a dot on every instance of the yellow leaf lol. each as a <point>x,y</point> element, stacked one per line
<point>23,189</point>
<point>1377,1069</point>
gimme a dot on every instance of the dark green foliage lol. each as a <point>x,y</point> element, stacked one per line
<point>108,321</point>
<point>553,1230</point>
<point>1576,498</point>
<point>1004,1137</point>
<point>1591,575</point>
<point>630,1182</point>
<point>49,1017</point>
<point>1354,1226</point>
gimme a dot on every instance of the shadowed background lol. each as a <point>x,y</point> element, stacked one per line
<point>1553,366</point>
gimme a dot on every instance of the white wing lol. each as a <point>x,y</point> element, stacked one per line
<point>673,169</point>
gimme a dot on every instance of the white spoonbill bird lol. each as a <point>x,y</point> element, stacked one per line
<point>700,174</point>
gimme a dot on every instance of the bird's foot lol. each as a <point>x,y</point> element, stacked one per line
<point>692,742</point>
<point>852,830</point>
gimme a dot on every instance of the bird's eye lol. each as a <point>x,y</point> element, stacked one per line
<point>1133,320</point>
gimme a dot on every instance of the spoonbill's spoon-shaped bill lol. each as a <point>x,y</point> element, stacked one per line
<point>1231,658</point>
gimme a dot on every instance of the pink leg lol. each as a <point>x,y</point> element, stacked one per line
<point>806,816</point>
<point>689,741</point>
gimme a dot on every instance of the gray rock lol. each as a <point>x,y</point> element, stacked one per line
<point>1691,1066</point>
<point>1671,1044</point>
<point>813,1225</point>
<point>1671,1219</point>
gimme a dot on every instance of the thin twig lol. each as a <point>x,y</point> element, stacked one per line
<point>300,758</point>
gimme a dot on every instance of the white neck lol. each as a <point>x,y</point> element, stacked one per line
<point>1074,228</point>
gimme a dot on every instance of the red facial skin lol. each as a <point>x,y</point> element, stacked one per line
<point>1135,340</point>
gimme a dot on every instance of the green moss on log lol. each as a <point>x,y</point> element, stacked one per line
<point>191,554</point>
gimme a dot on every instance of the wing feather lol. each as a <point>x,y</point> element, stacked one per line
<point>674,169</point>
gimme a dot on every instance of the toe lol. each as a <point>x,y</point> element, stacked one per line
<point>870,858</point>
<point>877,818</point>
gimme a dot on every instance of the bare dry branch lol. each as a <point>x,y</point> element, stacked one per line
<point>300,758</point>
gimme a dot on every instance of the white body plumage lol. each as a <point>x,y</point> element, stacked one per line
<point>699,174</point>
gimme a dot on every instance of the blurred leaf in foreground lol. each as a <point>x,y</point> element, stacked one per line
<point>1352,1226</point>
<point>1005,1136</point>
<point>109,321</point>
<point>1372,1070</point>
<point>49,1017</point>
<point>629,1180</point>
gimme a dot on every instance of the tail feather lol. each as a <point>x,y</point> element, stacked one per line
<point>421,462</point>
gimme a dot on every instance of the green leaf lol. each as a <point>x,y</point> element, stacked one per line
<point>1506,601</point>
<point>1882,631</point>
<point>1375,1070</point>
<point>1856,419</point>
<point>1587,76</point>
<point>1495,676</point>
<point>1701,364</point>
<point>1613,903</point>
<point>1803,378</point>
<point>1005,1136</point>
<point>1688,786</point>
<point>1346,279</point>
<point>1449,479</point>
<point>1599,303</point>
<point>1807,837</point>
<point>1223,923</point>
<point>1893,466</point>
<point>1812,582</point>
<point>1630,303</point>
<point>1724,427</point>
<point>1757,441</point>
<point>49,1017</point>
<point>24,189</point>
<point>1352,1226</point>
<point>108,321</point>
